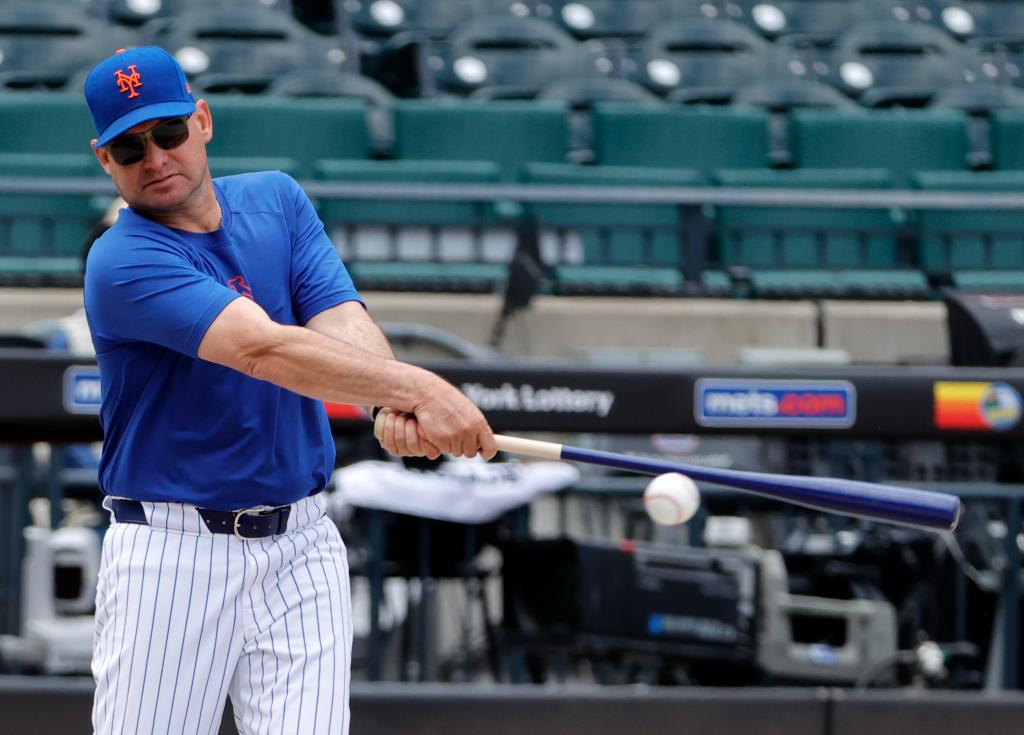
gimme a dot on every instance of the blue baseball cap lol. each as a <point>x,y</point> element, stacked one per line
<point>133,86</point>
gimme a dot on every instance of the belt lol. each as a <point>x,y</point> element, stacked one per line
<point>245,523</point>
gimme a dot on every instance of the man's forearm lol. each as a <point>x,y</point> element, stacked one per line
<point>350,323</point>
<point>318,366</point>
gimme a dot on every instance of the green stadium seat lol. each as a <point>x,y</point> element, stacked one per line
<point>1007,134</point>
<point>46,135</point>
<point>602,248</point>
<point>903,142</point>
<point>697,139</point>
<point>980,249</point>
<point>506,132</point>
<point>396,245</point>
<point>305,131</point>
<point>467,244</point>
<point>49,123</point>
<point>815,250</point>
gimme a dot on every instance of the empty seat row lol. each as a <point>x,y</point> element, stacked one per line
<point>476,142</point>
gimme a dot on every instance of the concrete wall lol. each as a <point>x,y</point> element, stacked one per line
<point>885,332</point>
<point>20,306</point>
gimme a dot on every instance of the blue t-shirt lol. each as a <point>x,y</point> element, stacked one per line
<point>177,428</point>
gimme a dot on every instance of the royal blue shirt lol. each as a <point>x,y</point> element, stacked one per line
<point>177,428</point>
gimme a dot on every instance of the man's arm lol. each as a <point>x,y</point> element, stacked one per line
<point>304,361</point>
<point>349,322</point>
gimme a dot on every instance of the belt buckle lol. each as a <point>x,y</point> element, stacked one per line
<point>247,512</point>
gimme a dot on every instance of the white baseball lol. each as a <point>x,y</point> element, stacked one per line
<point>671,499</point>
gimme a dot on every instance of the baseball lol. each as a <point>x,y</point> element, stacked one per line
<point>671,499</point>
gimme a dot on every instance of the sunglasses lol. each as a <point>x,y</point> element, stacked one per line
<point>131,147</point>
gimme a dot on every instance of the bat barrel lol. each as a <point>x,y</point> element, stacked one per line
<point>888,503</point>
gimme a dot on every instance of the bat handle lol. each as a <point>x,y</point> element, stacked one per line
<point>528,447</point>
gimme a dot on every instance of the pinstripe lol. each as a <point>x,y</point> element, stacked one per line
<point>127,604</point>
<point>214,721</point>
<point>216,633</point>
<point>101,654</point>
<point>302,625</point>
<point>319,634</point>
<point>252,688</point>
<point>137,617</point>
<point>184,632</point>
<point>270,628</point>
<point>152,622</point>
<point>170,616</point>
<point>346,621</point>
<point>117,639</point>
<point>288,641</point>
<point>337,611</point>
<point>202,624</point>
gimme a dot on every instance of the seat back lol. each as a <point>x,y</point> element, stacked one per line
<point>901,141</point>
<point>701,139</point>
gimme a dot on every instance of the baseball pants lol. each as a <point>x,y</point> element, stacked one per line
<point>186,617</point>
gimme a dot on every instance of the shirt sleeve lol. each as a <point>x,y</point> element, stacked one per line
<point>137,290</point>
<point>319,280</point>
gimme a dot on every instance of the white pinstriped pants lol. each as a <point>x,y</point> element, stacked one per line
<point>185,617</point>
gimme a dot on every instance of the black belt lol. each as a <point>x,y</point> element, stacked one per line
<point>246,523</point>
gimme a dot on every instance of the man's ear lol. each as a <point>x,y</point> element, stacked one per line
<point>101,155</point>
<point>204,120</point>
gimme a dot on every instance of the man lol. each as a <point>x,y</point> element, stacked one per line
<point>222,316</point>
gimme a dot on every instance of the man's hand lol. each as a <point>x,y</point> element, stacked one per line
<point>399,433</point>
<point>444,420</point>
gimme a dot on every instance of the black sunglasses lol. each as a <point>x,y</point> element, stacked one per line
<point>131,147</point>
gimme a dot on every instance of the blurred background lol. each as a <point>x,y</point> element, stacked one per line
<point>781,236</point>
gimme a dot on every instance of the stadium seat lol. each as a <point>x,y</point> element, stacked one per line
<point>701,60</point>
<point>612,248</point>
<point>1001,58</point>
<point>507,133</point>
<point>461,245</point>
<point>631,135</point>
<point>903,142</point>
<point>324,83</point>
<point>248,43</point>
<point>135,13</point>
<point>805,251</point>
<point>981,250</point>
<point>582,95</point>
<point>780,97</point>
<point>1007,129</point>
<point>505,56</point>
<point>969,19</point>
<point>259,133</point>
<point>979,97</point>
<point>817,21</point>
<point>621,19</point>
<point>891,63</point>
<point>424,18</point>
<point>46,135</point>
<point>43,45</point>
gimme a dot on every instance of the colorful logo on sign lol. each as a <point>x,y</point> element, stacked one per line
<point>976,405</point>
<point>822,404</point>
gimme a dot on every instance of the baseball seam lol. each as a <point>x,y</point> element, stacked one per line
<point>680,514</point>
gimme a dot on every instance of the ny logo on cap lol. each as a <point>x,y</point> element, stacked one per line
<point>128,82</point>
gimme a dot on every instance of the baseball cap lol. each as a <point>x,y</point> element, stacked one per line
<point>133,86</point>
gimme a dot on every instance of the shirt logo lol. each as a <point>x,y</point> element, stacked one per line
<point>238,285</point>
<point>128,82</point>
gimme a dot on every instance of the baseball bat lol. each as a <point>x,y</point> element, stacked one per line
<point>888,503</point>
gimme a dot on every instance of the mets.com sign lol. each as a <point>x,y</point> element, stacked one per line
<point>753,403</point>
